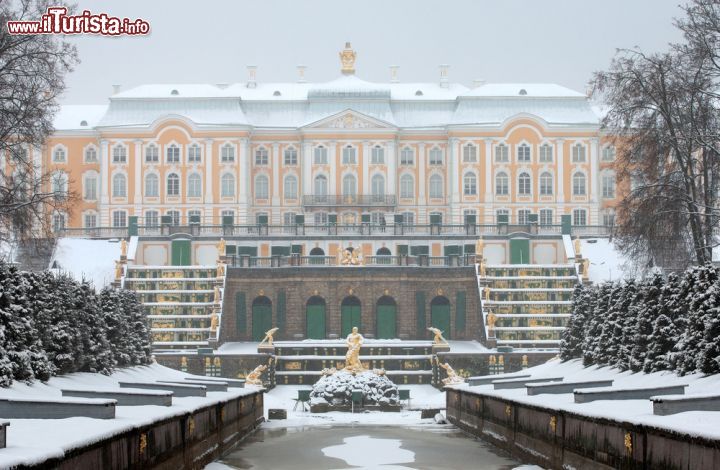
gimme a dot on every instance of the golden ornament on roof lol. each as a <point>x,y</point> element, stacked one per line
<point>347,59</point>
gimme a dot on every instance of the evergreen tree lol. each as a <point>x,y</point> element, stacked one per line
<point>623,332</point>
<point>572,336</point>
<point>591,340</point>
<point>647,311</point>
<point>140,344</point>
<point>666,327</point>
<point>700,297</point>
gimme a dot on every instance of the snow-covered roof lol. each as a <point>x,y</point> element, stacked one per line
<point>295,105</point>
<point>79,117</point>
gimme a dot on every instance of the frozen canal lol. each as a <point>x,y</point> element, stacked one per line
<point>364,446</point>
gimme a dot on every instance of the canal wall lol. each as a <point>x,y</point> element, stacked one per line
<point>561,439</point>
<point>186,441</point>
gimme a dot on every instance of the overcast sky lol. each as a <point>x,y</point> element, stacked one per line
<point>211,41</point>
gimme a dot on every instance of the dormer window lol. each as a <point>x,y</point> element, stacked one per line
<point>419,93</point>
<point>522,92</point>
<point>276,93</point>
<point>83,123</point>
<point>174,92</point>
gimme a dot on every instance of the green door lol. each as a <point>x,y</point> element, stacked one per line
<point>315,317</point>
<point>261,317</point>
<point>386,320</point>
<point>181,253</point>
<point>349,315</point>
<point>440,315</point>
<point>520,251</point>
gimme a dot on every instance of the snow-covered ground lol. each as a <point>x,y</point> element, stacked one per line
<point>695,423</point>
<point>31,441</point>
<point>606,261</point>
<point>86,259</point>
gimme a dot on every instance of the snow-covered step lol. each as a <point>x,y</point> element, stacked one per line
<point>520,383</point>
<point>533,315</point>
<point>125,396</point>
<point>528,302</point>
<point>672,404</point>
<point>306,357</point>
<point>529,328</point>
<point>630,393</point>
<point>179,390</point>
<point>564,387</point>
<point>57,408</point>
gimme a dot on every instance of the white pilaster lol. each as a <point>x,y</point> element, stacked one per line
<point>392,168</point>
<point>137,199</point>
<point>104,183</point>
<point>365,168</point>
<point>488,174</point>
<point>307,188</point>
<point>275,176</point>
<point>594,180</point>
<point>560,181</point>
<point>332,155</point>
<point>244,178</point>
<point>453,187</point>
<point>209,162</point>
<point>421,174</point>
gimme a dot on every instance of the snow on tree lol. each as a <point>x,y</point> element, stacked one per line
<point>572,336</point>
<point>591,341</point>
<point>646,309</point>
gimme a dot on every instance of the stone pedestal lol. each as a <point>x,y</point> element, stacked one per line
<point>266,349</point>
<point>491,343</point>
<point>440,348</point>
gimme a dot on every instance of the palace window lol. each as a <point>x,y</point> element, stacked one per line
<point>578,153</point>
<point>469,153</point>
<point>320,155</point>
<point>227,215</point>
<point>436,156</point>
<point>502,184</point>
<point>378,185</point>
<point>262,189</point>
<point>58,222</point>
<point>320,218</point>
<point>609,219</point>
<point>523,153</point>
<point>173,154</point>
<point>227,153</point>
<point>90,220</point>
<point>91,155</point>
<point>407,156</point>
<point>152,185</point>
<point>546,216</point>
<point>608,154</point>
<point>119,186</point>
<point>501,212</point>
<point>289,218</point>
<point>59,155</point>
<point>321,185</point>
<point>174,217</point>
<point>194,185</point>
<point>579,217</point>
<point>348,155</point>
<point>501,153</point>
<point>261,156</point>
<point>546,184</point>
<point>290,156</point>
<point>90,183</point>
<point>152,218</point>
<point>227,185</point>
<point>608,185</point>
<point>436,187</point>
<point>151,154</point>
<point>407,186</point>
<point>59,185</point>
<point>579,184</point>
<point>378,155</point>
<point>546,153</point>
<point>349,185</point>
<point>194,215</point>
<point>524,184</point>
<point>524,216</point>
<point>470,184</point>
<point>408,218</point>
<point>119,219</point>
<point>290,189</point>
<point>173,184</point>
<point>119,154</point>
<point>194,154</point>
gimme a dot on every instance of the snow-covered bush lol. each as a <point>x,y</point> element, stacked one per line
<point>657,324</point>
<point>336,389</point>
<point>51,325</point>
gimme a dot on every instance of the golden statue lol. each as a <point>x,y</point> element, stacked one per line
<point>524,361</point>
<point>482,266</point>
<point>585,266</point>
<point>123,248</point>
<point>118,270</point>
<point>452,377</point>
<point>269,336</point>
<point>491,324</point>
<point>221,270</point>
<point>255,377</point>
<point>479,245</point>
<point>216,298</point>
<point>214,322</point>
<point>183,363</point>
<point>354,342</point>
<point>577,246</point>
<point>486,291</point>
<point>221,248</point>
<point>347,58</point>
<point>438,339</point>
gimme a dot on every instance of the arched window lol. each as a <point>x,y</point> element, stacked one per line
<point>578,153</point>
<point>501,153</point>
<point>59,184</point>
<point>470,184</point>
<point>194,188</point>
<point>348,155</point>
<point>608,185</point>
<point>291,187</point>
<point>91,155</point>
<point>151,154</point>
<point>321,185</point>
<point>546,184</point>
<point>523,153</point>
<point>378,185</point>
<point>152,185</point>
<point>173,184</point>
<point>262,189</point>
<point>436,186</point>
<point>546,153</point>
<point>469,153</point>
<point>227,185</point>
<point>227,153</point>
<point>173,153</point>
<point>579,184</point>
<point>90,186</point>
<point>320,155</point>
<point>608,154</point>
<point>436,156</point>
<point>119,185</point>
<point>59,155</point>
<point>349,185</point>
<point>194,154</point>
<point>378,155</point>
<point>261,156</point>
<point>407,186</point>
<point>407,156</point>
<point>290,156</point>
<point>524,184</point>
<point>502,184</point>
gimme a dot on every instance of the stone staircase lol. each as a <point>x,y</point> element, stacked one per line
<point>405,362</point>
<point>531,303</point>
<point>180,302</point>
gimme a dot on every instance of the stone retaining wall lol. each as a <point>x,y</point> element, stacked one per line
<point>188,441</point>
<point>561,439</point>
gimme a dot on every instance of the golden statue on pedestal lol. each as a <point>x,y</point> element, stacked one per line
<point>255,377</point>
<point>123,248</point>
<point>347,58</point>
<point>118,270</point>
<point>214,322</point>
<point>221,248</point>
<point>220,270</point>
<point>491,324</point>
<point>354,342</point>
<point>216,296</point>
<point>577,247</point>
<point>438,339</point>
<point>269,336</point>
<point>350,258</point>
<point>452,377</point>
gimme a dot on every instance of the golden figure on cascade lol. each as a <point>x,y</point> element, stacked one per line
<point>255,377</point>
<point>438,339</point>
<point>452,377</point>
<point>352,357</point>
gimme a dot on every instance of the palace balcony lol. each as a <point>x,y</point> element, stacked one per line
<point>294,261</point>
<point>316,201</point>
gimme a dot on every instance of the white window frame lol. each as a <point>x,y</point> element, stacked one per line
<point>545,153</point>
<point>194,185</point>
<point>173,154</point>
<point>579,153</point>
<point>320,155</point>
<point>436,189</point>
<point>377,155</point>
<point>86,152</point>
<point>90,189</point>
<point>156,192</point>
<point>116,188</point>
<point>433,159</point>
<point>470,184</point>
<point>194,153</point>
<point>227,185</point>
<point>59,154</point>
<point>349,155</point>
<point>524,184</point>
<point>524,153</point>
<point>227,153</point>
<point>502,183</point>
<point>579,215</point>
<point>545,189</point>
<point>152,153</point>
<point>290,187</point>
<point>544,218</point>
<point>470,153</point>
<point>609,153</point>
<point>119,218</point>
<point>290,156</point>
<point>262,156</point>
<point>502,153</point>
<point>609,185</point>
<point>407,156</point>
<point>119,154</point>
<point>172,190</point>
<point>579,184</point>
<point>262,191</point>
<point>407,186</point>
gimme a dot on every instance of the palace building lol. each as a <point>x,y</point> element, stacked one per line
<point>366,203</point>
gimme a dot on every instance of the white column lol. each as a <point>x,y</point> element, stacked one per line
<point>421,175</point>
<point>209,161</point>
<point>138,176</point>
<point>307,157</point>
<point>104,183</point>
<point>594,179</point>
<point>560,146</point>
<point>244,178</point>
<point>332,155</point>
<point>275,176</point>
<point>392,168</point>
<point>366,168</point>
<point>488,174</point>
<point>453,187</point>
